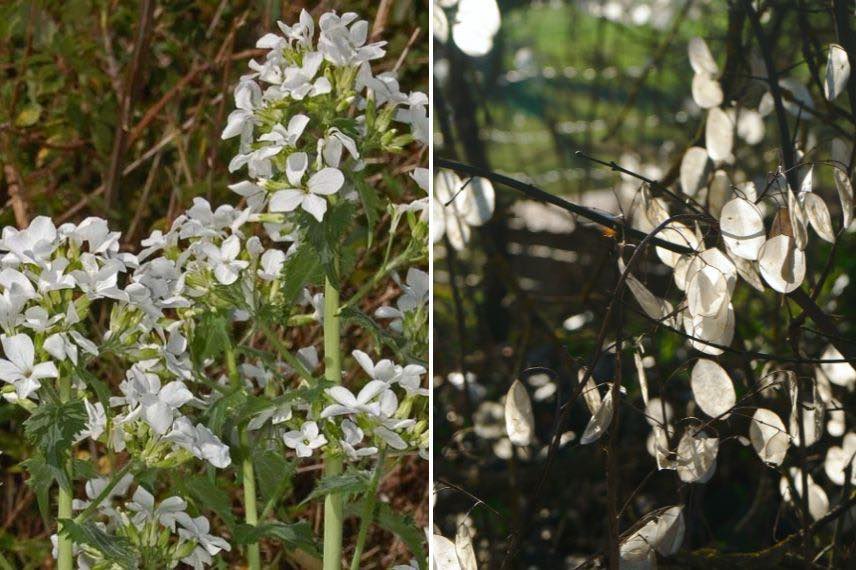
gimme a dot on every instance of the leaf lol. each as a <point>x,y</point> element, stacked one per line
<point>599,422</point>
<point>661,530</point>
<point>444,554</point>
<point>706,91</point>
<point>209,495</point>
<point>782,265</point>
<point>404,528</point>
<point>837,72</point>
<point>299,269</point>
<point>116,549</point>
<point>696,461</point>
<point>42,477</point>
<point>701,59</point>
<point>519,421</point>
<point>845,194</point>
<point>712,388</point>
<point>768,436</point>
<point>718,135</point>
<point>273,472</point>
<point>293,535</point>
<point>695,169</point>
<point>372,205</point>
<point>818,216</point>
<point>381,336</point>
<point>349,483</point>
<point>742,227</point>
<point>464,549</point>
<point>326,238</point>
<point>799,221</point>
<point>211,336</point>
<point>29,115</point>
<point>707,292</point>
<point>839,373</point>
<point>52,429</point>
<point>718,329</point>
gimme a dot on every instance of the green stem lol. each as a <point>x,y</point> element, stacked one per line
<point>367,516</point>
<point>96,502</point>
<point>251,516</point>
<point>65,557</point>
<point>333,512</point>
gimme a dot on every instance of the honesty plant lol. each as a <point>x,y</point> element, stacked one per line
<point>204,320</point>
<point>724,232</point>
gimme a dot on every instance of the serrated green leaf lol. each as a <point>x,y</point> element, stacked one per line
<point>115,549</point>
<point>380,336</point>
<point>226,407</point>
<point>371,205</point>
<point>273,472</point>
<point>52,429</point>
<point>209,496</point>
<point>298,270</point>
<point>293,535</point>
<point>349,483</point>
<point>400,525</point>
<point>210,337</point>
<point>42,477</point>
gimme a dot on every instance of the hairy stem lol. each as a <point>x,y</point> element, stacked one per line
<point>248,478</point>
<point>333,515</point>
<point>65,557</point>
<point>368,514</point>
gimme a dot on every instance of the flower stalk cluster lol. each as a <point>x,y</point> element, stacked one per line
<point>204,316</point>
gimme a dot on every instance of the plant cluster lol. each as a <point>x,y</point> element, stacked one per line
<point>715,232</point>
<point>195,316</point>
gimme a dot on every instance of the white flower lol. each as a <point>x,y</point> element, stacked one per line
<point>343,46</point>
<point>353,437</point>
<point>200,441</point>
<point>323,183</point>
<point>276,415</point>
<point>385,369</point>
<point>283,137</point>
<point>96,421</point>
<point>271,264</point>
<point>157,405</point>
<point>197,529</point>
<point>224,259</point>
<point>306,440</point>
<point>99,281</point>
<point>414,296</point>
<point>410,378</point>
<point>370,400</point>
<point>32,245</point>
<point>390,437</point>
<point>241,120</point>
<point>20,368</point>
<point>167,513</point>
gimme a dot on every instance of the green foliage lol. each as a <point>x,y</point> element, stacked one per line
<point>273,472</point>
<point>209,494</point>
<point>292,535</point>
<point>300,269</point>
<point>352,482</point>
<point>116,549</point>
<point>51,429</point>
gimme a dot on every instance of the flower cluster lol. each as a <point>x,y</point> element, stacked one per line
<point>198,297</point>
